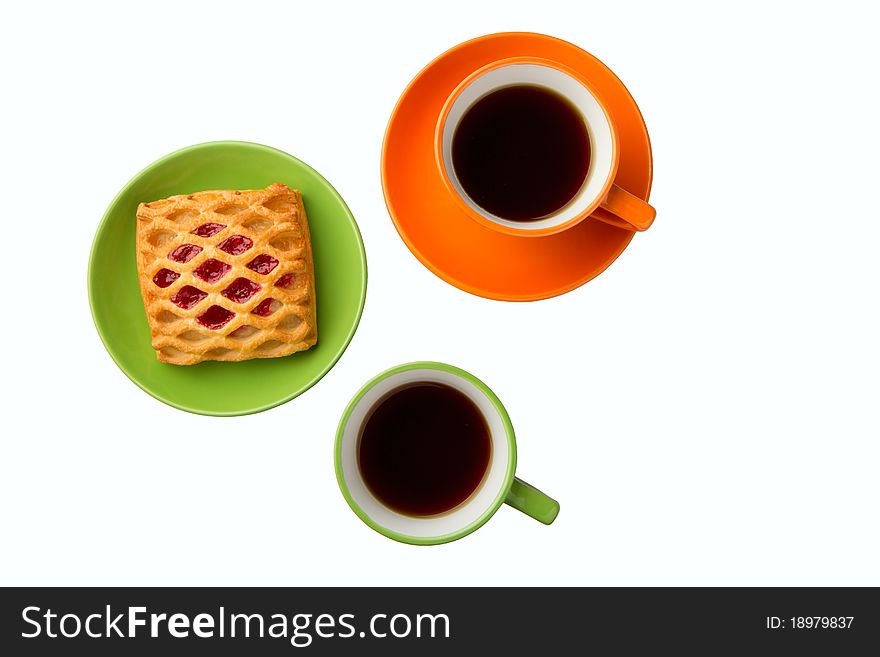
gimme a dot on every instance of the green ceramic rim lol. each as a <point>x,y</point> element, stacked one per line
<point>509,475</point>
<point>92,282</point>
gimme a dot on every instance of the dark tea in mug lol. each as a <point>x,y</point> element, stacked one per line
<point>521,152</point>
<point>424,449</point>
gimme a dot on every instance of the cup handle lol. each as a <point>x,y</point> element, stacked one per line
<point>528,499</point>
<point>625,210</point>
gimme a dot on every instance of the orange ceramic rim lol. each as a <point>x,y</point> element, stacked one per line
<point>488,223</point>
<point>449,243</point>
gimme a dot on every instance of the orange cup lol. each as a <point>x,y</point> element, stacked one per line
<point>598,198</point>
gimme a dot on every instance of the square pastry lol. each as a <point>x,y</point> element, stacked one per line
<point>227,275</point>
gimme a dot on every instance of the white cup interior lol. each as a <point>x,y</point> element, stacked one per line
<point>461,516</point>
<point>598,128</point>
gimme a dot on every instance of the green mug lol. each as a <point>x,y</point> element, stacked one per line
<point>499,485</point>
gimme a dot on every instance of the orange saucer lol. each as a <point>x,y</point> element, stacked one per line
<point>455,247</point>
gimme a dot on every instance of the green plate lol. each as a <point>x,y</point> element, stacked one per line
<point>215,388</point>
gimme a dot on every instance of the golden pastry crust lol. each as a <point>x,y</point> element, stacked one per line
<point>227,275</point>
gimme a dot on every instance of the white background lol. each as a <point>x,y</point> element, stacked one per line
<point>706,411</point>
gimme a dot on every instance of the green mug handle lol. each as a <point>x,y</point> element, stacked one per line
<point>528,499</point>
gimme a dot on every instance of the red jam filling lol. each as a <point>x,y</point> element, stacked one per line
<point>208,230</point>
<point>188,296</point>
<point>286,281</point>
<point>264,309</point>
<point>241,289</point>
<point>165,277</point>
<point>215,317</point>
<point>263,264</point>
<point>236,245</point>
<point>185,252</point>
<point>212,270</point>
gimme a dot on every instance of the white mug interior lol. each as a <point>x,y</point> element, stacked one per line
<point>461,516</point>
<point>598,127</point>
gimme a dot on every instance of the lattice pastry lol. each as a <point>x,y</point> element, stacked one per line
<point>227,275</point>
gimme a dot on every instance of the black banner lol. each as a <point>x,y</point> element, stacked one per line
<point>438,621</point>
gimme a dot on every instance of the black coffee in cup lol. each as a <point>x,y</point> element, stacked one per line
<point>521,152</point>
<point>424,449</point>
